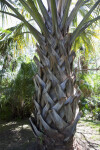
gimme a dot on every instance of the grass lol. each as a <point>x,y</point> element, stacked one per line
<point>95,137</point>
<point>91,123</point>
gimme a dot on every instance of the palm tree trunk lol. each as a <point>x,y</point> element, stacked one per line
<point>60,146</point>
<point>56,101</point>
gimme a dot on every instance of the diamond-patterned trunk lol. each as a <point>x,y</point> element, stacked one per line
<point>56,101</point>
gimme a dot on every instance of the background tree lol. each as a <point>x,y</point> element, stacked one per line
<point>57,95</point>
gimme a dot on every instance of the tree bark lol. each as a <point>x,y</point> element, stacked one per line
<point>58,145</point>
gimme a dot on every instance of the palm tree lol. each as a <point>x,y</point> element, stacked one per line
<point>84,43</point>
<point>56,101</point>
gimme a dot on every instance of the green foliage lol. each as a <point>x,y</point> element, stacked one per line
<point>24,78</point>
<point>16,96</point>
<point>96,78</point>
<point>89,83</point>
<point>90,99</point>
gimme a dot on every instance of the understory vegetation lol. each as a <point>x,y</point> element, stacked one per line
<point>90,98</point>
<point>17,93</point>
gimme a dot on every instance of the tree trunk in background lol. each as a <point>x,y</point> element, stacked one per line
<point>83,61</point>
<point>84,64</point>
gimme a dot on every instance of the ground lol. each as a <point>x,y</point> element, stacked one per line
<point>89,132</point>
<point>17,135</point>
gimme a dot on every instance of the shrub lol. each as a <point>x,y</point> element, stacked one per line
<point>90,99</point>
<point>17,95</point>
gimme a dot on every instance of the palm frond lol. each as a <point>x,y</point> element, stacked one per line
<point>45,13</point>
<point>54,16</point>
<point>65,15</point>
<point>76,32</point>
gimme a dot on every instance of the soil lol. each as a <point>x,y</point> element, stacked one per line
<point>89,133</point>
<point>17,135</point>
